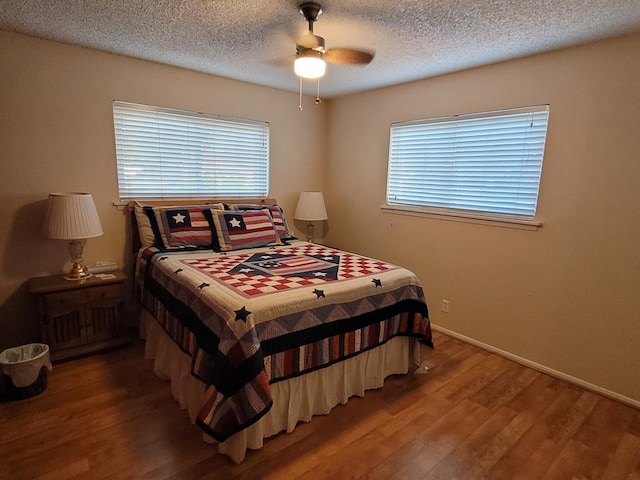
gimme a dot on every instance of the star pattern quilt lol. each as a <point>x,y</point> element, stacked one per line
<point>253,317</point>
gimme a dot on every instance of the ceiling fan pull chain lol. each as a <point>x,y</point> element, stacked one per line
<point>300,102</point>
<point>318,94</point>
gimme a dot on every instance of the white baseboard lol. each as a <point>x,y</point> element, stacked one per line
<point>541,368</point>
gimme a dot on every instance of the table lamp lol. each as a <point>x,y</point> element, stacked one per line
<point>310,209</point>
<point>72,216</point>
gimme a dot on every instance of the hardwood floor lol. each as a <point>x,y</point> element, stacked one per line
<point>474,415</point>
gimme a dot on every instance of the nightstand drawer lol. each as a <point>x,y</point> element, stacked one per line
<point>108,292</point>
<point>63,299</point>
<point>82,296</point>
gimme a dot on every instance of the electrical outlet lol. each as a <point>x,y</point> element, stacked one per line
<point>445,306</point>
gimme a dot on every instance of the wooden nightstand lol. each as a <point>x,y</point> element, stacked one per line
<point>80,317</point>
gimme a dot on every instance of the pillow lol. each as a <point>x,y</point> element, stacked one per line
<point>145,232</point>
<point>237,229</point>
<point>276,213</point>
<point>180,226</point>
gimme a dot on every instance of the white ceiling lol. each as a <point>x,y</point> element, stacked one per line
<point>254,40</point>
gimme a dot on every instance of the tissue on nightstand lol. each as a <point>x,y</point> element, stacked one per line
<point>102,267</point>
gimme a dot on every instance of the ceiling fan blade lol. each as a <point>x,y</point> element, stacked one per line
<point>309,41</point>
<point>282,61</point>
<point>347,56</point>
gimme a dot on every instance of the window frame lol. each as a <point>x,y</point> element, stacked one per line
<point>484,217</point>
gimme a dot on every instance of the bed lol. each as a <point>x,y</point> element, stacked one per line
<point>258,330</point>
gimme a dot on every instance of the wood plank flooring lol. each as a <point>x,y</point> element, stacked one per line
<point>474,415</point>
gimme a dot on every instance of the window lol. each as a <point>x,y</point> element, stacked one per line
<point>166,154</point>
<point>485,165</point>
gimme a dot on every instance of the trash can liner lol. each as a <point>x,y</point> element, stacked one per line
<point>23,363</point>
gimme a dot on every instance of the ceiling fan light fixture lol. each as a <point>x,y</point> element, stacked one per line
<point>309,66</point>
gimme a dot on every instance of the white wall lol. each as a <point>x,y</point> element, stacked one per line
<point>566,296</point>
<point>56,134</point>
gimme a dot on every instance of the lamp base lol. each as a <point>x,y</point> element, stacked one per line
<point>310,231</point>
<point>78,272</point>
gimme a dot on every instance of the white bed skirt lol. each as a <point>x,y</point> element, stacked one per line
<point>294,400</point>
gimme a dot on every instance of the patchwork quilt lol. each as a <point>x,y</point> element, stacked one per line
<point>249,318</point>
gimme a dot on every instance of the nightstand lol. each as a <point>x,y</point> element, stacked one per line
<point>80,317</point>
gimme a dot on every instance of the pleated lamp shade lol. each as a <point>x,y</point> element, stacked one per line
<point>71,216</point>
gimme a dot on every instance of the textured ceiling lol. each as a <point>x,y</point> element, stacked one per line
<point>254,40</point>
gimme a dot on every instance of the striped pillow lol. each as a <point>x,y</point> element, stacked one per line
<point>239,229</point>
<point>180,226</point>
<point>277,214</point>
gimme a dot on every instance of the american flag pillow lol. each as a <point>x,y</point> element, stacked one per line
<point>244,229</point>
<point>181,226</point>
<point>276,214</point>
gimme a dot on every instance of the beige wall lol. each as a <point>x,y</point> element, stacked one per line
<point>56,134</point>
<point>566,296</point>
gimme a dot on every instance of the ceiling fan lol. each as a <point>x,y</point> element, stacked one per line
<point>312,55</point>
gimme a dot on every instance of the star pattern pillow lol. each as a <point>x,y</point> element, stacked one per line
<point>237,229</point>
<point>276,213</point>
<point>180,226</point>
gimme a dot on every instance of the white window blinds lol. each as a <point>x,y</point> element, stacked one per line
<point>488,162</point>
<point>165,154</point>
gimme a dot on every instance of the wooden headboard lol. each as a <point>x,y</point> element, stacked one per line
<point>135,236</point>
<point>202,201</point>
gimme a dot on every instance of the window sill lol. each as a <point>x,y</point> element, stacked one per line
<point>466,217</point>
